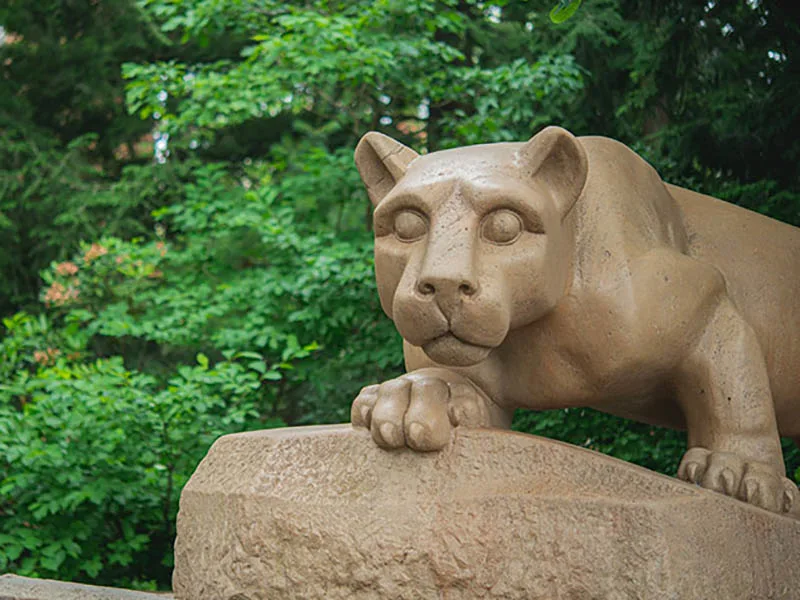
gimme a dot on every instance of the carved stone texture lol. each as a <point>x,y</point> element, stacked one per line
<point>563,272</point>
<point>322,512</point>
<point>13,587</point>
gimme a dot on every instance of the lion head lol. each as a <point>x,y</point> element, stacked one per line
<point>471,243</point>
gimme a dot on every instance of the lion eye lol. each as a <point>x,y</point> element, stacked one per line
<point>409,225</point>
<point>501,226</point>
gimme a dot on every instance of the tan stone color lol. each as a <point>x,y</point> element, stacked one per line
<point>563,272</point>
<point>323,513</point>
<point>13,587</point>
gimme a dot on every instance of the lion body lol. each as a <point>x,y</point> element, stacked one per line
<point>593,350</point>
<point>563,272</point>
<point>760,260</point>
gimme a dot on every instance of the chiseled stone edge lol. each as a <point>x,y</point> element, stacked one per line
<point>14,587</point>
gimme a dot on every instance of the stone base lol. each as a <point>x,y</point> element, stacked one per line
<point>321,512</point>
<point>13,587</point>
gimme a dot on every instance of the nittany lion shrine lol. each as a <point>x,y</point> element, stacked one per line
<point>557,273</point>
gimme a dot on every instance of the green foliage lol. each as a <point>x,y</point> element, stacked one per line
<point>64,132</point>
<point>507,102</point>
<point>94,454</point>
<point>621,438</point>
<point>564,10</point>
<point>186,245</point>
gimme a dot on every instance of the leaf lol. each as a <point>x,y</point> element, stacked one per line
<point>564,10</point>
<point>258,365</point>
<point>12,551</point>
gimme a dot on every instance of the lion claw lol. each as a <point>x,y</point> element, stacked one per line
<point>418,411</point>
<point>753,482</point>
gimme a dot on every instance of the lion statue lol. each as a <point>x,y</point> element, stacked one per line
<point>563,272</point>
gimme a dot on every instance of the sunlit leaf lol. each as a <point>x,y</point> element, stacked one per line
<point>564,10</point>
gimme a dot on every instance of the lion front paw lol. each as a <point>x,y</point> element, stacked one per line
<point>754,482</point>
<point>419,410</point>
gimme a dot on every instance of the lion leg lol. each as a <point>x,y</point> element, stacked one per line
<point>724,391</point>
<point>710,357</point>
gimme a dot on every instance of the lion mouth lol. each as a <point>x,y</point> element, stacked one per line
<point>449,349</point>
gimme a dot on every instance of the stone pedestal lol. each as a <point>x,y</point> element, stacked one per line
<point>25,588</point>
<point>321,512</point>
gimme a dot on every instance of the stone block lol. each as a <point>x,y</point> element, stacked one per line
<point>322,512</point>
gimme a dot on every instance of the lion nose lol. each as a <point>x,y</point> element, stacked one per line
<point>428,286</point>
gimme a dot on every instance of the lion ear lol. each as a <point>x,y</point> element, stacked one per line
<point>556,157</point>
<point>381,161</point>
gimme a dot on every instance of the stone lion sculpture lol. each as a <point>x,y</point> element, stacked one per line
<point>563,272</point>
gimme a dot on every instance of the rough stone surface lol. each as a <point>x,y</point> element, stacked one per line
<point>13,587</point>
<point>322,512</point>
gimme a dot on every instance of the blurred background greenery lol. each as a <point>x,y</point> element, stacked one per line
<point>185,245</point>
